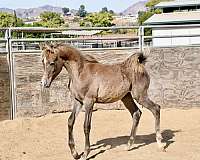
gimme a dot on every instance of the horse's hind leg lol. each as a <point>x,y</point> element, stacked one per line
<point>155,109</point>
<point>135,113</point>
<point>76,109</point>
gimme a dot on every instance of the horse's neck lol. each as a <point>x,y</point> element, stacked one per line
<point>74,69</point>
<point>73,60</point>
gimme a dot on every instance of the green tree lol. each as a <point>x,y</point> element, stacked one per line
<point>65,10</point>
<point>104,9</point>
<point>101,19</point>
<point>144,15</point>
<point>111,12</point>
<point>10,20</point>
<point>81,11</point>
<point>50,19</point>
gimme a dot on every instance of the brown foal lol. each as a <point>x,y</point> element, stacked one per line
<point>92,82</point>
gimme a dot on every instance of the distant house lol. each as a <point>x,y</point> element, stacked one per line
<point>30,21</point>
<point>129,20</point>
<point>176,13</point>
<point>68,14</point>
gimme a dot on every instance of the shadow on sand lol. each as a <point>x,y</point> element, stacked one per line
<point>142,140</point>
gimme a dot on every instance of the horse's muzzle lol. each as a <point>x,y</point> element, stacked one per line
<point>45,83</point>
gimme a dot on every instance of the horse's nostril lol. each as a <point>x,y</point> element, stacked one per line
<point>43,82</point>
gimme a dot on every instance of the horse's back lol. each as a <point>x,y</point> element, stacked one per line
<point>110,82</point>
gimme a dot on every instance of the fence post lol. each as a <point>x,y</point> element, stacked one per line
<point>6,37</point>
<point>141,38</point>
<point>12,75</point>
<point>23,45</point>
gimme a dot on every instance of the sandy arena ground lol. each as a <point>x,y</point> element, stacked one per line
<point>45,138</point>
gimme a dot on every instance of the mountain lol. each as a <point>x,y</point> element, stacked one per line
<point>6,10</point>
<point>34,12</point>
<point>133,9</point>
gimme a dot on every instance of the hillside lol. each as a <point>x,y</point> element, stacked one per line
<point>34,12</point>
<point>6,10</point>
<point>133,9</point>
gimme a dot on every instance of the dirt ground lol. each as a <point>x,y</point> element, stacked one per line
<point>45,138</point>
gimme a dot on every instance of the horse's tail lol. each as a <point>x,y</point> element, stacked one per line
<point>138,62</point>
<point>141,58</point>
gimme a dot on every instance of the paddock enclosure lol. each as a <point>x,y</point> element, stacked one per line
<point>174,71</point>
<point>175,74</point>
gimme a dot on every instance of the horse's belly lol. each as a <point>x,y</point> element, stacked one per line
<point>111,93</point>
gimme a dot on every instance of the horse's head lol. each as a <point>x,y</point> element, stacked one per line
<point>52,64</point>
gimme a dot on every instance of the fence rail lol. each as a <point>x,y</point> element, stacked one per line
<point>69,28</point>
<point>72,39</point>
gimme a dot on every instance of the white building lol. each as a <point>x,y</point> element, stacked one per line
<point>176,13</point>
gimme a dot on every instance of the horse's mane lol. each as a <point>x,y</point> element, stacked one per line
<point>90,58</point>
<point>85,57</point>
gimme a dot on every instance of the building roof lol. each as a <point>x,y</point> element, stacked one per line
<point>178,3</point>
<point>174,18</point>
<point>81,33</point>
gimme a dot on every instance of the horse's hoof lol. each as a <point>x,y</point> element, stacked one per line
<point>162,147</point>
<point>129,147</point>
<point>164,150</point>
<point>83,158</point>
<point>76,156</point>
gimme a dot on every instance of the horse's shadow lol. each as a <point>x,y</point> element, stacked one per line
<point>142,140</point>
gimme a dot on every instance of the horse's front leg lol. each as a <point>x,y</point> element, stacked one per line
<point>87,126</point>
<point>76,109</point>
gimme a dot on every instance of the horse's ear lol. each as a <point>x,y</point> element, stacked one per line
<point>42,46</point>
<point>57,44</point>
<point>54,45</point>
<point>45,45</point>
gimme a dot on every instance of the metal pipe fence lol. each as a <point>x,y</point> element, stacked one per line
<point>138,41</point>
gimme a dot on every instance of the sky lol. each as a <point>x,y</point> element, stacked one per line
<point>91,5</point>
